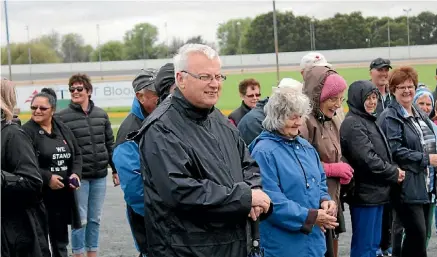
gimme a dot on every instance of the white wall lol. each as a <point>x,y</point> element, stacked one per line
<point>250,60</point>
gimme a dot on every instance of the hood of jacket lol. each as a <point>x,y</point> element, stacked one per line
<point>137,109</point>
<point>357,95</point>
<point>314,80</point>
<point>262,103</point>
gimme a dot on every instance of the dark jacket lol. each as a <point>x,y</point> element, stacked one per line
<point>198,177</point>
<point>383,104</point>
<point>24,227</point>
<point>250,126</point>
<point>239,113</point>
<point>126,159</point>
<point>366,149</point>
<point>407,152</point>
<point>33,130</point>
<point>16,120</point>
<point>94,136</point>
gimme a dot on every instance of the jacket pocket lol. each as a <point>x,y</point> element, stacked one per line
<point>414,188</point>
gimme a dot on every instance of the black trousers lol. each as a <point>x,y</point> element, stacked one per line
<point>414,218</point>
<point>386,229</point>
<point>397,235</point>
<point>58,233</point>
<point>138,228</point>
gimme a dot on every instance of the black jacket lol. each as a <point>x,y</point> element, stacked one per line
<point>382,105</point>
<point>407,152</point>
<point>32,129</point>
<point>366,149</point>
<point>23,219</point>
<point>198,176</point>
<point>250,126</point>
<point>239,113</point>
<point>94,136</point>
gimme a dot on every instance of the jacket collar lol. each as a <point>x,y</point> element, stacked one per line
<point>188,109</point>
<point>138,110</point>
<point>78,107</point>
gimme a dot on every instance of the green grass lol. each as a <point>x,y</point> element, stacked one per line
<point>230,98</point>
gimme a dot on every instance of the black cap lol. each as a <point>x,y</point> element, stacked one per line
<point>379,63</point>
<point>145,80</point>
<point>164,80</point>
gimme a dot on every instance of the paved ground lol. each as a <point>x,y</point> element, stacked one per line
<point>116,239</point>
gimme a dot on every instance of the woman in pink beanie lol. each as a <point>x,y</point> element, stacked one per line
<point>326,89</point>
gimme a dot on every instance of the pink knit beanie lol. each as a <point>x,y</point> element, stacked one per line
<point>334,84</point>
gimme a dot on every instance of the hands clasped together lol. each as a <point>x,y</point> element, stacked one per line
<point>327,216</point>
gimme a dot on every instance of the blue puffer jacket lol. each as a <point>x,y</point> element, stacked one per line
<point>293,177</point>
<point>126,159</point>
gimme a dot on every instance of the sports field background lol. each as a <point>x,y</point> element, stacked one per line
<point>230,98</point>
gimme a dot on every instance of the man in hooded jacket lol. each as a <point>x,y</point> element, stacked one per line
<point>200,183</point>
<point>149,86</point>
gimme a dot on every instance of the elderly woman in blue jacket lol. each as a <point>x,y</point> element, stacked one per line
<point>293,177</point>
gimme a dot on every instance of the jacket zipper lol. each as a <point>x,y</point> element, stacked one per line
<point>301,166</point>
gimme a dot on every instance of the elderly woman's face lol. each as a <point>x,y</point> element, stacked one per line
<point>405,93</point>
<point>332,104</point>
<point>291,128</point>
<point>425,103</point>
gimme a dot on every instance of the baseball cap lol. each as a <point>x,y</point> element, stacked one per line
<point>145,80</point>
<point>291,83</point>
<point>380,63</point>
<point>314,59</point>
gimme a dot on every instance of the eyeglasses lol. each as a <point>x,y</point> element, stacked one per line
<point>42,108</point>
<point>72,89</point>
<point>254,95</point>
<point>207,77</point>
<point>410,88</point>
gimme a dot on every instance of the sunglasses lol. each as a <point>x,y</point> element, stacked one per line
<point>72,89</point>
<point>253,95</point>
<point>381,62</point>
<point>42,108</point>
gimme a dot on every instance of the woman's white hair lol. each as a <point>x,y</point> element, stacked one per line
<point>180,60</point>
<point>282,105</point>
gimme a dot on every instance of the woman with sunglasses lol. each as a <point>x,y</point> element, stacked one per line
<point>92,129</point>
<point>23,221</point>
<point>60,164</point>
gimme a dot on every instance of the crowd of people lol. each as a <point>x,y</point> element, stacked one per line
<point>272,178</point>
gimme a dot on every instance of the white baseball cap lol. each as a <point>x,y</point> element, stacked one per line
<point>291,83</point>
<point>313,59</point>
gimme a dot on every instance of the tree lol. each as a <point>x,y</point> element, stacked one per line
<point>110,51</point>
<point>40,53</point>
<point>74,49</point>
<point>232,35</point>
<point>52,40</point>
<point>174,46</point>
<point>140,40</point>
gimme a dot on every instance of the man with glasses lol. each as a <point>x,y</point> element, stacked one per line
<point>379,69</point>
<point>200,183</point>
<point>250,92</point>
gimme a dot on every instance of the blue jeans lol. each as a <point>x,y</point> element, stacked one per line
<point>366,230</point>
<point>90,199</point>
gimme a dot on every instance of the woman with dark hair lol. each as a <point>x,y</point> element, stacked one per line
<point>413,145</point>
<point>92,129</point>
<point>23,221</point>
<point>60,164</point>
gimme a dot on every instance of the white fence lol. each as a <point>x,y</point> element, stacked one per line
<point>236,61</point>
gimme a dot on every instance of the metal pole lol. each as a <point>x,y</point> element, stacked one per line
<point>388,37</point>
<point>314,33</point>
<point>100,50</point>
<point>7,40</point>
<point>239,51</point>
<point>144,47</point>
<point>275,34</point>
<point>29,53</point>
<point>311,34</point>
<point>408,30</point>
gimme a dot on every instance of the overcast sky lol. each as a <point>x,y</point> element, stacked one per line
<point>183,18</point>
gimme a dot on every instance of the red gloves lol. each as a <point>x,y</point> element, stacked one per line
<point>339,170</point>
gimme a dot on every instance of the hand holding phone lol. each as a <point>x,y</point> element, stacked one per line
<point>74,182</point>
